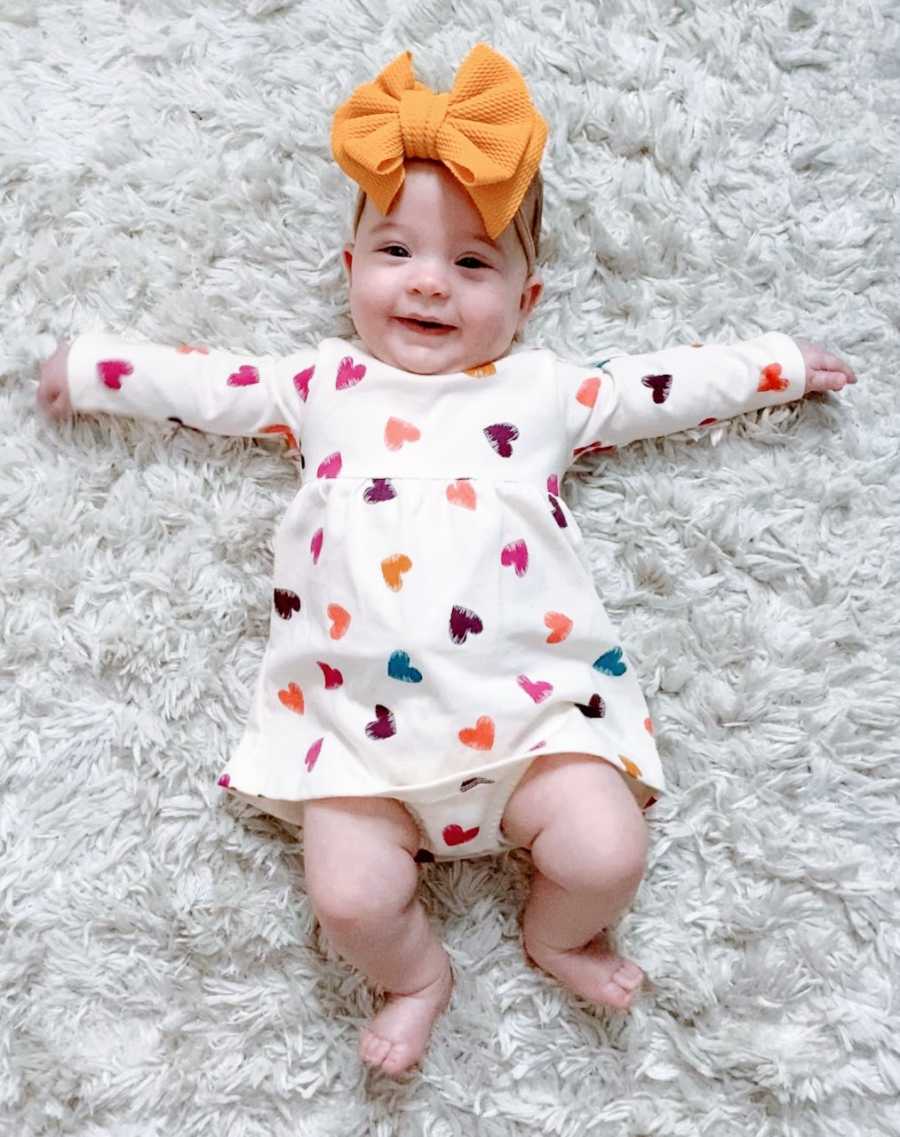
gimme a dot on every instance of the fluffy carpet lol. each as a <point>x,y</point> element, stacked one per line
<point>713,171</point>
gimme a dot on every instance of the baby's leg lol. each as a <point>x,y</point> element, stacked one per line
<point>588,841</point>
<point>361,879</point>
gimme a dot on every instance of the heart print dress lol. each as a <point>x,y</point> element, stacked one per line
<point>433,615</point>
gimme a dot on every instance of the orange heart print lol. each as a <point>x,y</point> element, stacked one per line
<point>292,698</point>
<point>392,569</point>
<point>479,737</point>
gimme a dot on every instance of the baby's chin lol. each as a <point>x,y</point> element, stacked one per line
<point>432,359</point>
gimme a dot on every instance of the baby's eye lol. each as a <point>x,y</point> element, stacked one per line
<point>474,262</point>
<point>390,248</point>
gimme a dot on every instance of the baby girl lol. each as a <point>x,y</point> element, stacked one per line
<point>441,678</point>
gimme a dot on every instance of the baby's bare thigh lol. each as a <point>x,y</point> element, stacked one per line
<point>562,787</point>
<point>358,822</point>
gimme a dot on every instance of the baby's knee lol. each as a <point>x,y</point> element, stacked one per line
<point>586,855</point>
<point>355,896</point>
<point>343,907</point>
<point>359,865</point>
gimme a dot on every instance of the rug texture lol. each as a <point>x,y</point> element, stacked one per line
<point>714,170</point>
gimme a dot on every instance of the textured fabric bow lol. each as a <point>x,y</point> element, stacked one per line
<point>485,130</point>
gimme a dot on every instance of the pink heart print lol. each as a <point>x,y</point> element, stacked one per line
<point>515,553</point>
<point>330,467</point>
<point>245,376</point>
<point>112,370</point>
<point>312,755</point>
<point>538,690</point>
<point>301,382</point>
<point>347,374</point>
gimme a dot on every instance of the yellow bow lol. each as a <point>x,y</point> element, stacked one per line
<point>485,130</point>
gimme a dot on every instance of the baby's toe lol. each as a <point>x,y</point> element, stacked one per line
<point>372,1049</point>
<point>399,1060</point>
<point>619,989</point>
<point>629,976</point>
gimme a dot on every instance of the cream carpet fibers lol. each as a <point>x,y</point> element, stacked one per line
<point>714,170</point>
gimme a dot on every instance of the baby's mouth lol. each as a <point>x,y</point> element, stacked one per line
<point>425,327</point>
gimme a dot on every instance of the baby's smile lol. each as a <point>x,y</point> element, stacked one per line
<point>422,326</point>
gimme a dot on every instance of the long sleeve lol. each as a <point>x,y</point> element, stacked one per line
<point>213,390</point>
<point>618,400</point>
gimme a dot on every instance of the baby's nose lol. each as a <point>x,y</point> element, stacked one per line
<point>429,279</point>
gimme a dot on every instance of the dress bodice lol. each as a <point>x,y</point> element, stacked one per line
<point>499,422</point>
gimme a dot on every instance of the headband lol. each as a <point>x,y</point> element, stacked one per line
<point>485,130</point>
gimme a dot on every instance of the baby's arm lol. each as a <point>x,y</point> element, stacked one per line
<point>218,391</point>
<point>626,397</point>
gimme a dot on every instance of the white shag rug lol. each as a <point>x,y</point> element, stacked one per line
<point>714,170</point>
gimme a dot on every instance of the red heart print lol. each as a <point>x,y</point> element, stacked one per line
<point>333,677</point>
<point>112,370</point>
<point>771,379</point>
<point>591,448</point>
<point>456,835</point>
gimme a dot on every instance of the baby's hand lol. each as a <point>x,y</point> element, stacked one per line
<point>53,388</point>
<point>824,372</point>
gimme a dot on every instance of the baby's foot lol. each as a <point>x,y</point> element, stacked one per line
<point>594,971</point>
<point>398,1035</point>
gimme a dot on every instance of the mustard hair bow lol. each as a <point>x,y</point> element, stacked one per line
<point>485,130</point>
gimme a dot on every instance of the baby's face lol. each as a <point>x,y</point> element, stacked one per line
<point>430,258</point>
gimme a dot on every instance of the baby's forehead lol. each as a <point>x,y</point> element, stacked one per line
<point>446,223</point>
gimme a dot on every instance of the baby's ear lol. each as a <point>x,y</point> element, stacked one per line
<point>531,293</point>
<point>347,258</point>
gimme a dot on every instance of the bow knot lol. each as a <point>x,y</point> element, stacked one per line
<point>485,130</point>
<point>422,114</point>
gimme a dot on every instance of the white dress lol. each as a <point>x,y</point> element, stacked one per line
<point>434,617</point>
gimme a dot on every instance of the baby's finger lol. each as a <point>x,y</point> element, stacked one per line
<point>832,380</point>
<point>829,363</point>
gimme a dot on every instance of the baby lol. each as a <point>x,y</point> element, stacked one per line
<point>441,678</point>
